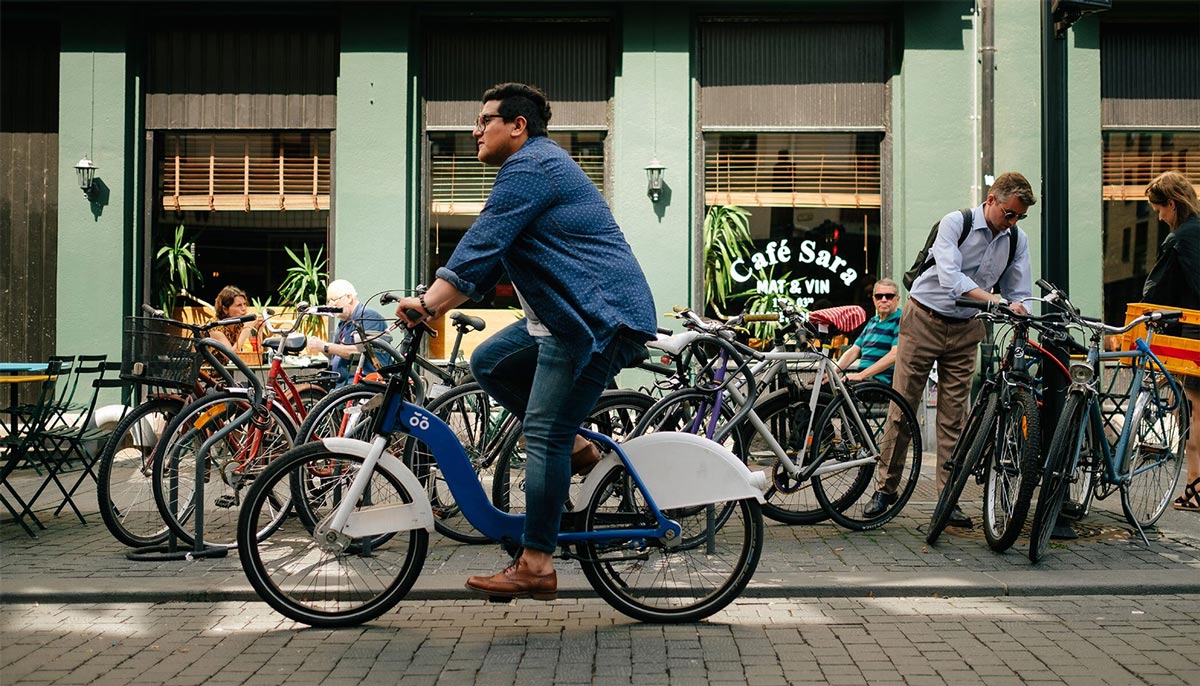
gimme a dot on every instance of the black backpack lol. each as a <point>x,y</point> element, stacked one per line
<point>924,261</point>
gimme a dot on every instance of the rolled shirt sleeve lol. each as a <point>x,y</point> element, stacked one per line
<point>949,258</point>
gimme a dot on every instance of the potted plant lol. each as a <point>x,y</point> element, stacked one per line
<point>175,263</point>
<point>305,282</point>
<point>726,240</point>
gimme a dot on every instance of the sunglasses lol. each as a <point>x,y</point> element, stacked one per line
<point>1009,214</point>
<point>884,296</point>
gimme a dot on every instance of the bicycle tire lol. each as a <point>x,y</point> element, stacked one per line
<point>226,475</point>
<point>1059,458</point>
<point>652,582</point>
<point>846,496</point>
<point>963,463</point>
<point>295,575</point>
<point>1013,471</point>
<point>1078,501</point>
<point>1154,457</point>
<point>125,467</point>
<point>616,414</point>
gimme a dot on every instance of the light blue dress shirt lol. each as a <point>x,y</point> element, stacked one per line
<point>978,263</point>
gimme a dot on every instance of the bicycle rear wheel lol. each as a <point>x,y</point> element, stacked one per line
<point>311,581</point>
<point>963,463</point>
<point>846,493</point>
<point>230,466</point>
<point>124,479</point>
<point>341,413</point>
<point>1154,456</point>
<point>652,581</point>
<point>1060,464</point>
<point>1014,469</point>
<point>789,499</point>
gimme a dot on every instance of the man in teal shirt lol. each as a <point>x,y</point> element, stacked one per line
<point>875,348</point>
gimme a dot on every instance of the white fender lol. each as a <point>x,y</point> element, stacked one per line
<point>382,519</point>
<point>681,470</point>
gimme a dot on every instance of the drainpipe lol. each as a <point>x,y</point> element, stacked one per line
<point>987,138</point>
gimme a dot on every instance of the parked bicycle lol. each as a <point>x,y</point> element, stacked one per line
<point>1001,445</point>
<point>645,539</point>
<point>818,434</point>
<point>161,357</point>
<point>215,447</point>
<point>1143,462</point>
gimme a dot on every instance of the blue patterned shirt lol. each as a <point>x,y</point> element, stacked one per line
<point>876,339</point>
<point>548,227</point>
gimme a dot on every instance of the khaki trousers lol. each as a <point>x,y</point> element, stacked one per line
<point>925,339</point>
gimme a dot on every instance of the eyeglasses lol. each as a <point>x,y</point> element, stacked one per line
<point>1009,214</point>
<point>482,121</point>
<point>884,296</point>
<point>334,301</point>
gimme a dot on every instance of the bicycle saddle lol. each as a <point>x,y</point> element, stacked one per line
<point>465,322</point>
<point>292,343</point>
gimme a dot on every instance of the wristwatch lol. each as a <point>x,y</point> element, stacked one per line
<point>325,349</point>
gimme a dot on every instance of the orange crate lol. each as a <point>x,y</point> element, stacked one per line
<point>1181,356</point>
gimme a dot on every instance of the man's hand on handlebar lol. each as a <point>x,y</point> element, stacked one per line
<point>407,306</point>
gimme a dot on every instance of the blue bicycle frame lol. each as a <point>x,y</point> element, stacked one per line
<point>460,476</point>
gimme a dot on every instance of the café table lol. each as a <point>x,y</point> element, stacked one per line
<point>16,373</point>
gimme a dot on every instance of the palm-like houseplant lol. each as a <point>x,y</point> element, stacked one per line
<point>177,270</point>
<point>305,282</point>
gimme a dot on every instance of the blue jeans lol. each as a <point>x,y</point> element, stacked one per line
<point>533,377</point>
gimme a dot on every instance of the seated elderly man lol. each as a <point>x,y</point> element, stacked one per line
<point>341,293</point>
<point>875,348</point>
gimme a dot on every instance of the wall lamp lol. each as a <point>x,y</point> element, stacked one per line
<point>85,172</point>
<point>654,174</point>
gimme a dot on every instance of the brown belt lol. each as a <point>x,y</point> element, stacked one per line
<point>938,315</point>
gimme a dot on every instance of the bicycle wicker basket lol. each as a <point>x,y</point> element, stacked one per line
<point>159,352</point>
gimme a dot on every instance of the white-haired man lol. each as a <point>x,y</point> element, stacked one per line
<point>341,293</point>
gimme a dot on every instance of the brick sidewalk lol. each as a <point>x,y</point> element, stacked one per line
<point>72,562</point>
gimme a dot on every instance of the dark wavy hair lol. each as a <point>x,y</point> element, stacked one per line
<point>521,100</point>
<point>225,300</point>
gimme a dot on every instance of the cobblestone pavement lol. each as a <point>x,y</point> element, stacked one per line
<point>1073,640</point>
<point>70,561</point>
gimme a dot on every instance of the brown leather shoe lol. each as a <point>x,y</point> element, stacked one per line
<point>584,459</point>
<point>516,581</point>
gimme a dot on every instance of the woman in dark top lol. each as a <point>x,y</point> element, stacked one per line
<point>1175,281</point>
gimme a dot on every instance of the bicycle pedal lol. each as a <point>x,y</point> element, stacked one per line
<point>226,501</point>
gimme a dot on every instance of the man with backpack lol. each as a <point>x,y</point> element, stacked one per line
<point>970,253</point>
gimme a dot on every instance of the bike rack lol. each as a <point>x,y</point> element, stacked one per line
<point>171,550</point>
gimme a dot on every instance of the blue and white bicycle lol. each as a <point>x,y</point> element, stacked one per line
<point>650,525</point>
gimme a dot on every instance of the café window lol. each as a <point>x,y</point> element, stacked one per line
<point>1131,232</point>
<point>813,203</point>
<point>243,199</point>
<point>459,185</point>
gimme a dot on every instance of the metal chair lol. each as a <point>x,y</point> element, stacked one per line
<point>18,445</point>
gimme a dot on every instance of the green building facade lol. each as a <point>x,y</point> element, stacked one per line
<point>844,129</point>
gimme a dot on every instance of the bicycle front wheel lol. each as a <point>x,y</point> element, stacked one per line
<point>124,480</point>
<point>845,493</point>
<point>341,414</point>
<point>313,581</point>
<point>1154,456</point>
<point>228,469</point>
<point>1060,464</point>
<point>1014,469</point>
<point>963,463</point>
<point>652,581</point>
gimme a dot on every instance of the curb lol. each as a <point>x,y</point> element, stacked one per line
<point>765,586</point>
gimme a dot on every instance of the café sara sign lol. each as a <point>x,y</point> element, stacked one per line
<point>810,273</point>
